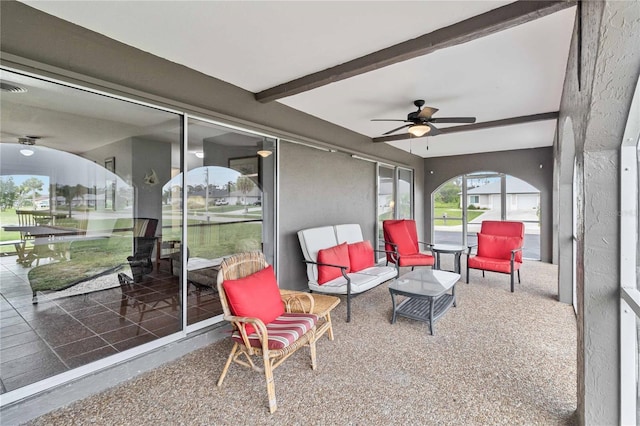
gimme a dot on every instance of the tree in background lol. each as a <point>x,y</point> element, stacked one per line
<point>245,185</point>
<point>9,192</point>
<point>68,192</point>
<point>32,185</point>
<point>449,193</point>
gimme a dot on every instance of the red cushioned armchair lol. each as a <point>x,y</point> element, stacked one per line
<point>402,245</point>
<point>499,248</point>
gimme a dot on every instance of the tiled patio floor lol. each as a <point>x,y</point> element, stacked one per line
<point>40,340</point>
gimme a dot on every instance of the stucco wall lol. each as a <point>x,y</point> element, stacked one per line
<point>596,109</point>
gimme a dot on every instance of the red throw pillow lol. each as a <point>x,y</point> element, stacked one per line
<point>400,236</point>
<point>256,295</point>
<point>360,256</point>
<point>336,255</point>
<point>499,247</point>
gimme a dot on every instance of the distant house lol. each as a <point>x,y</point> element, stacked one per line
<point>520,195</point>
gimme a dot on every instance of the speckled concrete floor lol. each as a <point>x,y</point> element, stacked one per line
<point>497,358</point>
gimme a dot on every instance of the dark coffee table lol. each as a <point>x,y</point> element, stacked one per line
<point>427,292</point>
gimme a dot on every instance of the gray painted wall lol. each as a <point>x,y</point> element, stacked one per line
<point>320,188</point>
<point>523,164</point>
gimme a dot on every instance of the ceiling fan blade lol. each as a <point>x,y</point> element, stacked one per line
<point>427,112</point>
<point>434,130</point>
<point>395,130</point>
<point>453,120</point>
<point>388,119</point>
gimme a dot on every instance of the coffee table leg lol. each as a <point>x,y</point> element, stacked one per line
<point>393,302</point>
<point>431,304</point>
<point>453,293</point>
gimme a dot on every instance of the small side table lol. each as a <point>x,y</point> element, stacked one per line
<point>322,307</point>
<point>456,250</point>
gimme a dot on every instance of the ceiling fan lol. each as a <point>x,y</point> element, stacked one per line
<point>420,121</point>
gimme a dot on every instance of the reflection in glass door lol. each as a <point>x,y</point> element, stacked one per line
<point>386,199</point>
<point>226,199</point>
<point>89,286</point>
<point>405,194</point>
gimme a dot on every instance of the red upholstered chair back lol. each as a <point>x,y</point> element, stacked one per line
<point>503,228</point>
<point>513,233</point>
<point>410,225</point>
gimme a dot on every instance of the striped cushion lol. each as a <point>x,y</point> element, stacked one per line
<point>283,331</point>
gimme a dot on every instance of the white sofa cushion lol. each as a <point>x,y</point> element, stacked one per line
<point>313,240</point>
<point>349,233</point>
<point>359,283</point>
<point>383,272</point>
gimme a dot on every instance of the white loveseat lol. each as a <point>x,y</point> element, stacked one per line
<point>313,240</point>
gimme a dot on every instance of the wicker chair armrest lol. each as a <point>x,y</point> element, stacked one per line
<point>241,322</point>
<point>298,302</point>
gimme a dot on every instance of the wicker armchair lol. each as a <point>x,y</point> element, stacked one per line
<point>246,276</point>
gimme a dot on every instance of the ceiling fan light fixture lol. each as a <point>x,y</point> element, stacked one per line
<point>264,153</point>
<point>419,130</point>
<point>28,141</point>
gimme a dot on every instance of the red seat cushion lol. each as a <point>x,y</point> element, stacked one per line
<point>282,331</point>
<point>417,259</point>
<point>491,264</point>
<point>336,255</point>
<point>499,247</point>
<point>360,256</point>
<point>400,235</point>
<point>256,295</point>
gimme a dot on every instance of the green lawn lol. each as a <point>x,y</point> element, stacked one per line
<point>454,215</point>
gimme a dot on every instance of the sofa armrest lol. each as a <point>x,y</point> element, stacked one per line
<point>342,267</point>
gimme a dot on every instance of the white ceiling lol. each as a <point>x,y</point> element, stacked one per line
<point>259,44</point>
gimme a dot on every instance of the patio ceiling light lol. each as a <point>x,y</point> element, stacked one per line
<point>28,141</point>
<point>418,130</point>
